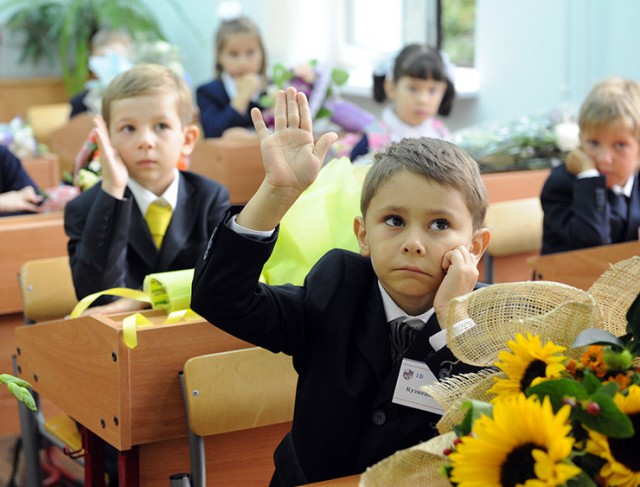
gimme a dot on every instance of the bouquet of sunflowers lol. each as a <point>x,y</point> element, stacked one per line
<point>559,401</point>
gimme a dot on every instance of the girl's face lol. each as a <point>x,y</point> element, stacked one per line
<point>416,99</point>
<point>240,55</point>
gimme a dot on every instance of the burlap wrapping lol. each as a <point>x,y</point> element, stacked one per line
<point>479,326</point>
<point>419,465</point>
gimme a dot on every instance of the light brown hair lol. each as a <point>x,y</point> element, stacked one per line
<point>436,159</point>
<point>612,101</point>
<point>149,79</point>
<point>238,25</point>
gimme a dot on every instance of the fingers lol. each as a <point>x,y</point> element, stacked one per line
<point>324,144</point>
<point>293,111</point>
<point>258,123</point>
<point>280,111</point>
<point>458,256</point>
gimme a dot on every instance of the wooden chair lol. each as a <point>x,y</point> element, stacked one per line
<point>516,228</point>
<point>44,119</point>
<point>47,293</point>
<point>67,140</point>
<point>232,391</point>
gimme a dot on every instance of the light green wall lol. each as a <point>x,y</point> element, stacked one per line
<point>532,54</point>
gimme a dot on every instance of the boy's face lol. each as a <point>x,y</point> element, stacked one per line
<point>147,133</point>
<point>416,99</point>
<point>411,223</point>
<point>240,55</point>
<point>614,149</point>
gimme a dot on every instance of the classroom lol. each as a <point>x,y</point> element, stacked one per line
<point>136,342</point>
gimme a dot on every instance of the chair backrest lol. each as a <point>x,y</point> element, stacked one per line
<point>241,389</point>
<point>44,119</point>
<point>47,289</point>
<point>68,139</point>
<point>516,227</point>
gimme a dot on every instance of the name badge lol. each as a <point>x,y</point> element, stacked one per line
<point>413,375</point>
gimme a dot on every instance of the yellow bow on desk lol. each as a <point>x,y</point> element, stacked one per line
<point>169,291</point>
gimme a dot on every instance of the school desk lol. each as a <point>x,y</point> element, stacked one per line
<point>580,268</point>
<point>132,398</point>
<point>23,238</point>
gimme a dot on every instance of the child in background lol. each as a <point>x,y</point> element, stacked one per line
<point>420,238</point>
<point>594,199</point>
<point>225,103</point>
<point>18,192</point>
<point>116,48</point>
<point>419,88</point>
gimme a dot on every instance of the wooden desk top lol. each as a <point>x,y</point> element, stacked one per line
<point>580,268</point>
<point>126,396</point>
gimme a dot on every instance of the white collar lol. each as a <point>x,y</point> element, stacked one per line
<point>144,197</point>
<point>393,311</point>
<point>399,130</point>
<point>626,189</point>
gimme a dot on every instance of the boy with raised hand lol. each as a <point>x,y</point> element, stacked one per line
<point>145,216</point>
<point>420,237</point>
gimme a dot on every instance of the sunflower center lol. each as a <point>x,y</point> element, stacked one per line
<point>518,466</point>
<point>535,369</point>
<point>625,450</point>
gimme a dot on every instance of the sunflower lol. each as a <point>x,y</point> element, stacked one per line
<point>622,465</point>
<point>529,364</point>
<point>523,444</point>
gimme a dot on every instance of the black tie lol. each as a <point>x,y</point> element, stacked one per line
<point>402,331</point>
<point>618,220</point>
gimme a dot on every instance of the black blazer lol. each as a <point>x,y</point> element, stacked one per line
<point>216,112</point>
<point>335,328</point>
<point>577,213</point>
<point>110,244</point>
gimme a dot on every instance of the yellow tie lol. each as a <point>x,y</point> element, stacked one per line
<point>158,217</point>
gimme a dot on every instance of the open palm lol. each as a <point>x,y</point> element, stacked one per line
<point>291,158</point>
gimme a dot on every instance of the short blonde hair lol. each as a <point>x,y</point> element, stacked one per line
<point>612,101</point>
<point>149,79</point>
<point>436,159</point>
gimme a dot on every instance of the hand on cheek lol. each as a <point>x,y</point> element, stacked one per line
<point>461,275</point>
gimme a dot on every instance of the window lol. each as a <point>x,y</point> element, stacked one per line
<point>370,31</point>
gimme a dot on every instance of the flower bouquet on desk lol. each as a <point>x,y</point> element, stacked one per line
<point>560,405</point>
<point>18,136</point>
<point>321,86</point>
<point>527,142</point>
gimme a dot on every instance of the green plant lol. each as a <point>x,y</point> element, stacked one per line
<point>62,29</point>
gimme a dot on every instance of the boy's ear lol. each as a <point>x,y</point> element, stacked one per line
<point>390,89</point>
<point>191,134</point>
<point>479,243</point>
<point>361,234</point>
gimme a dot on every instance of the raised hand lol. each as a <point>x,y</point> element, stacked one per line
<point>114,172</point>
<point>291,159</point>
<point>290,156</point>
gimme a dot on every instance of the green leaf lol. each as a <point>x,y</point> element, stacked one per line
<point>339,76</point>
<point>23,395</point>
<point>610,421</point>
<point>581,480</point>
<point>558,390</point>
<point>323,113</point>
<point>8,378</point>
<point>475,409</point>
<point>591,382</point>
<point>595,336</point>
<point>609,389</point>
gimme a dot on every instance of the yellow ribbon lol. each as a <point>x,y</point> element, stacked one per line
<point>170,291</point>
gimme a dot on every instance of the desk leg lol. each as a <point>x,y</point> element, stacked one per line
<point>129,468</point>
<point>93,460</point>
